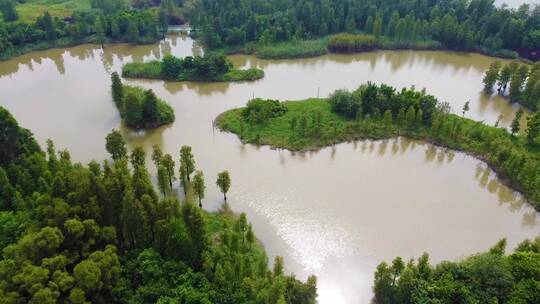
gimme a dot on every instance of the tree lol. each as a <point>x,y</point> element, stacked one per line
<point>171,67</point>
<point>350,23</point>
<point>132,31</point>
<point>150,108</point>
<point>388,118</point>
<point>533,127</point>
<point>504,77</point>
<point>368,27</point>
<point>410,116</point>
<point>224,183</point>
<point>100,30</point>
<point>466,108</point>
<point>157,155</point>
<point>115,145</point>
<point>377,26</point>
<point>196,229</point>
<point>187,162</point>
<point>517,81</point>
<point>138,157</point>
<point>163,180</point>
<point>7,9</point>
<point>514,127</point>
<point>163,20</point>
<point>117,88</point>
<point>115,30</point>
<point>491,76</point>
<point>46,23</point>
<point>168,164</point>
<point>133,111</point>
<point>198,186</point>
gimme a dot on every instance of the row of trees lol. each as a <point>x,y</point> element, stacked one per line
<point>100,233</point>
<point>376,101</point>
<point>520,82</point>
<point>189,177</point>
<point>469,25</point>
<point>490,277</point>
<point>140,109</point>
<point>126,26</point>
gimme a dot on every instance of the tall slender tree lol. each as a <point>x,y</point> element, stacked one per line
<point>224,183</point>
<point>199,186</point>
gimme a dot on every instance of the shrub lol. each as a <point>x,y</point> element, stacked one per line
<point>259,110</point>
<point>345,103</point>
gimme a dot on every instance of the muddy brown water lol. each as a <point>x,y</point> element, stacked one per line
<point>335,213</point>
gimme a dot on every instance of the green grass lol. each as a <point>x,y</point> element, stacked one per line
<point>293,49</point>
<point>29,11</point>
<point>484,142</point>
<point>243,75</point>
<point>277,131</point>
<point>149,70</point>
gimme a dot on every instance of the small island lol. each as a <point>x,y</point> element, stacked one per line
<point>381,112</point>
<point>139,108</point>
<point>211,68</point>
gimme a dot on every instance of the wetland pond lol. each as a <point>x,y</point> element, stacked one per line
<point>335,213</point>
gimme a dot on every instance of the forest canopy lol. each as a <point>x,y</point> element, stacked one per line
<point>100,233</point>
<point>465,25</point>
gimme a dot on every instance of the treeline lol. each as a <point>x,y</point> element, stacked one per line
<point>99,233</point>
<point>138,108</point>
<point>115,24</point>
<point>519,82</point>
<point>378,112</point>
<point>465,25</point>
<point>210,67</point>
<point>489,277</point>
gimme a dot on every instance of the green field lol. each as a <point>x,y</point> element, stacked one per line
<point>32,9</point>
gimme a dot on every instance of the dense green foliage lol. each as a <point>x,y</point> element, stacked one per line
<point>378,112</point>
<point>490,277</point>
<point>465,25</point>
<point>138,108</point>
<point>100,234</point>
<point>198,68</point>
<point>258,110</point>
<point>520,83</point>
<point>100,25</point>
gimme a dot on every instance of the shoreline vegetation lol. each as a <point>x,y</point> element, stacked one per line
<point>210,67</point>
<point>461,26</point>
<point>139,108</point>
<point>70,22</point>
<point>515,82</point>
<point>493,276</point>
<point>382,112</point>
<point>102,233</point>
<point>345,43</point>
